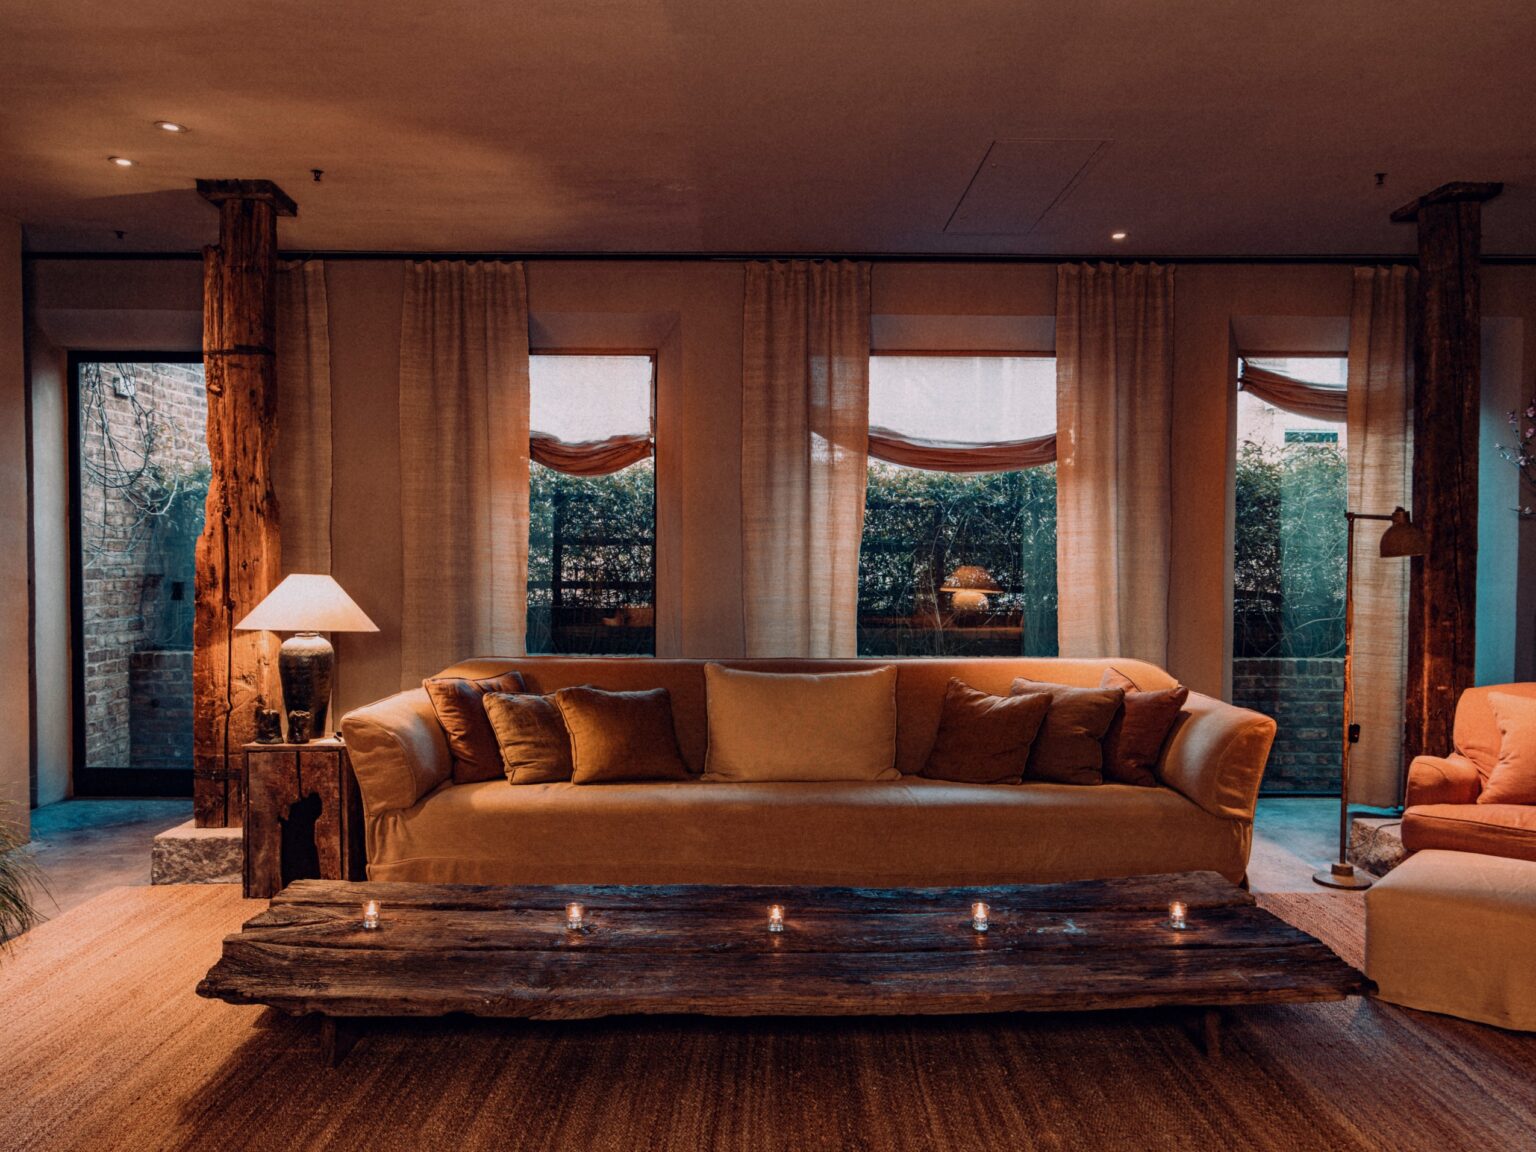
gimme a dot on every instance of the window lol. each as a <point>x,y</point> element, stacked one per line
<point>592,505</point>
<point>141,480</point>
<point>1288,575</point>
<point>958,563</point>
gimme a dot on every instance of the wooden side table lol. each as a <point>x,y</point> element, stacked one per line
<point>303,816</point>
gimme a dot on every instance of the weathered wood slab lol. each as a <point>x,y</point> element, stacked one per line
<point>494,951</point>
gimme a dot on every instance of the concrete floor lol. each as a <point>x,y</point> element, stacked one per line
<point>86,847</point>
<point>89,846</point>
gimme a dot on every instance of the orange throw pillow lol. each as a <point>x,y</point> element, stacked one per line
<point>458,701</point>
<point>1135,740</point>
<point>984,739</point>
<point>1067,750</point>
<point>1513,780</point>
<point>535,747</point>
<point>617,736</point>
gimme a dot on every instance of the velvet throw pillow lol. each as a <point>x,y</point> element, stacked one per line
<point>1135,739</point>
<point>535,747</point>
<point>617,736</point>
<point>457,701</point>
<point>1067,749</point>
<point>984,739</point>
<point>768,726</point>
<point>1513,780</point>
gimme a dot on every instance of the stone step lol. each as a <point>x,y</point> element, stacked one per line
<point>187,854</point>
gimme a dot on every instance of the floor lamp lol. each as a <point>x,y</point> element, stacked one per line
<point>1402,538</point>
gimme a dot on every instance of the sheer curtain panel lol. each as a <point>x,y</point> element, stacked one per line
<point>302,469</point>
<point>464,463</point>
<point>805,435</point>
<point>1380,479</point>
<point>1114,380</point>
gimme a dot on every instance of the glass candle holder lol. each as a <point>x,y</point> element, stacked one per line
<point>370,914</point>
<point>575,917</point>
<point>981,917</point>
<point>775,917</point>
<point>1178,915</point>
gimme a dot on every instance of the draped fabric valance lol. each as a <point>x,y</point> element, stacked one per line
<point>950,456</point>
<point>1289,394</point>
<point>591,457</point>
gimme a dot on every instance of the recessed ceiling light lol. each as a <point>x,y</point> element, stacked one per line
<point>170,126</point>
<point>120,161</point>
<point>1117,235</point>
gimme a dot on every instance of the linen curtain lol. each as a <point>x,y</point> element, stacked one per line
<point>1380,451</point>
<point>805,434</point>
<point>302,458</point>
<point>950,456</point>
<point>590,457</point>
<point>1114,395</point>
<point>464,463</point>
<point>1298,397</point>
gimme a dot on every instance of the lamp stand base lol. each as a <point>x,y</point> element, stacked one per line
<point>1343,876</point>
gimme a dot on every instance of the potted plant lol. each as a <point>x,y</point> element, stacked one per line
<point>20,877</point>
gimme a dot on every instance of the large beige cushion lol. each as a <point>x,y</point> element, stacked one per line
<point>910,832</point>
<point>1455,932</point>
<point>785,727</point>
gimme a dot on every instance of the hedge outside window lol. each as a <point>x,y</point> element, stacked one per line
<point>955,560</point>
<point>592,505</point>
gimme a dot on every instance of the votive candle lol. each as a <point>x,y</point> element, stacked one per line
<point>575,917</point>
<point>980,916</point>
<point>1178,914</point>
<point>370,914</point>
<point>775,917</point>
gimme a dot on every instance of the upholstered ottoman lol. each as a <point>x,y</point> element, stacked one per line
<point>1455,932</point>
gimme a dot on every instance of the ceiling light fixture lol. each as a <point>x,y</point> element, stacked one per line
<point>1117,235</point>
<point>170,126</point>
<point>120,161</point>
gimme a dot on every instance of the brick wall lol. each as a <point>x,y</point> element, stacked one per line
<point>136,582</point>
<point>160,709</point>
<point>1306,698</point>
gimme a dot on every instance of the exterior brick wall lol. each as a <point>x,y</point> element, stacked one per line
<point>160,709</point>
<point>136,591</point>
<point>1306,698</point>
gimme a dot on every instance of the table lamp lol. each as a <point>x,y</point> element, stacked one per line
<point>306,605</point>
<point>969,586</point>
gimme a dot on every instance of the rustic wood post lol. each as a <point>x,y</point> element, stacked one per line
<point>238,552</point>
<point>1442,609</point>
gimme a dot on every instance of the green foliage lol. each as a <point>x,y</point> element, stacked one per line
<point>1288,566</point>
<point>599,534</point>
<point>920,526</point>
<point>20,879</point>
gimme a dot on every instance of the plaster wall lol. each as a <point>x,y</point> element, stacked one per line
<point>15,613</point>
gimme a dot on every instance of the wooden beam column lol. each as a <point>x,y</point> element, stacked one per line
<point>1442,609</point>
<point>238,552</point>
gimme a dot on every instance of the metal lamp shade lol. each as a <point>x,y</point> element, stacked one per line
<point>1403,537</point>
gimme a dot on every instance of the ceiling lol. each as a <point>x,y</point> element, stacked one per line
<point>1200,127</point>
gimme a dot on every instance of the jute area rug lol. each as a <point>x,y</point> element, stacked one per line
<point>103,1045</point>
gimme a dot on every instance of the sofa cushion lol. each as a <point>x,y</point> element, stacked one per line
<point>1139,730</point>
<point>984,739</point>
<point>457,700</point>
<point>829,726</point>
<point>617,736</point>
<point>1490,829</point>
<point>1513,780</point>
<point>535,746</point>
<point>1476,730</point>
<point>1068,749</point>
<point>910,832</point>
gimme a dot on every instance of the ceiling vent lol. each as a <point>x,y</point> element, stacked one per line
<point>1018,182</point>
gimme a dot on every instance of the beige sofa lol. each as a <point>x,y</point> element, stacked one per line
<point>912,832</point>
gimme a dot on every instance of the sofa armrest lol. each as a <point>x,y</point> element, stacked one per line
<point>397,749</point>
<point>1449,779</point>
<point>1216,756</point>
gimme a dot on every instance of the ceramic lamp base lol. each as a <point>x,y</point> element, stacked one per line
<point>304,665</point>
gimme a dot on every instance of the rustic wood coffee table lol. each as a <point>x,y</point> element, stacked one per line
<point>499,951</point>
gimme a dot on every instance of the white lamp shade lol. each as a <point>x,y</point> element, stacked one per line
<point>307,603</point>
